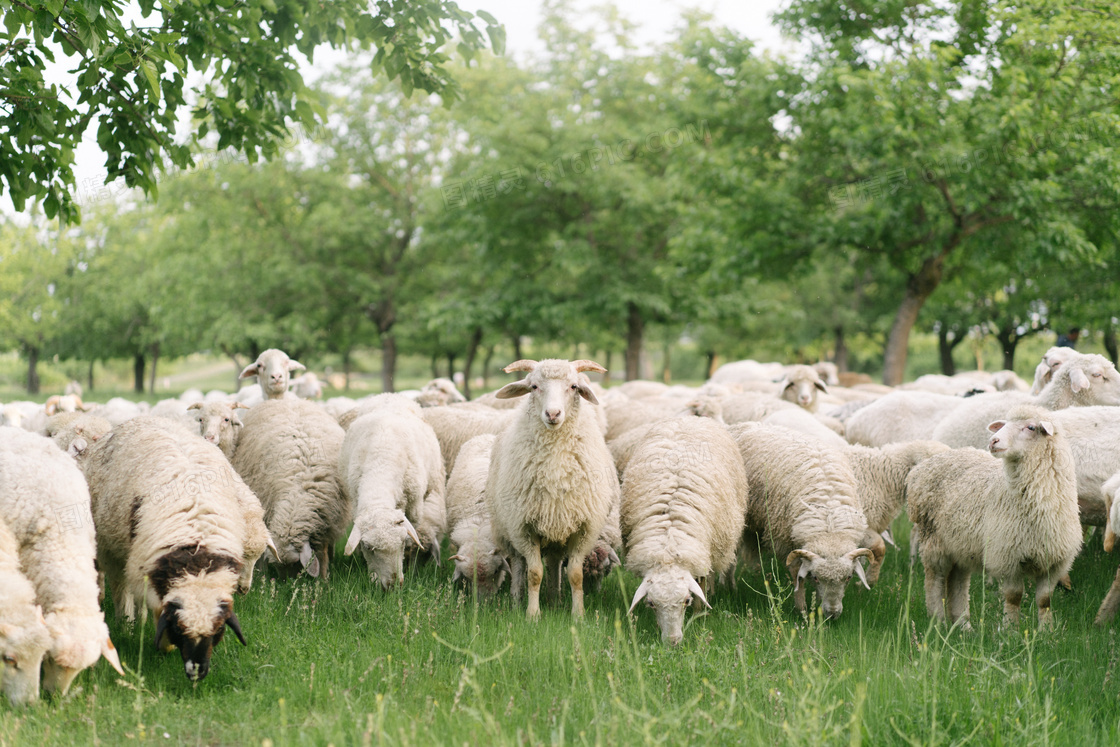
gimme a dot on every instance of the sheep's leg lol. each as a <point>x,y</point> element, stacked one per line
<point>878,551</point>
<point>1110,604</point>
<point>1109,535</point>
<point>914,545</point>
<point>1043,588</point>
<point>575,580</point>
<point>516,576</point>
<point>959,580</point>
<point>935,592</point>
<point>799,586</point>
<point>1012,600</point>
<point>535,569</point>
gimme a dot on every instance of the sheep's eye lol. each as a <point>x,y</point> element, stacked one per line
<point>1030,427</point>
<point>10,661</point>
<point>226,420</point>
<point>533,387</point>
<point>649,604</point>
<point>574,387</point>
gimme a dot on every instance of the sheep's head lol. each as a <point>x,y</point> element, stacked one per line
<point>219,424</point>
<point>296,550</point>
<point>486,569</point>
<point>77,642</point>
<point>438,392</point>
<point>1092,379</point>
<point>194,615</point>
<point>554,386</point>
<point>800,386</point>
<point>830,576</point>
<point>382,535</point>
<point>667,591</point>
<point>273,369</point>
<point>24,640</point>
<point>1020,433</point>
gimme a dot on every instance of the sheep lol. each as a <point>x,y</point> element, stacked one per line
<point>24,638</point>
<point>1093,434</point>
<point>439,392</point>
<point>273,369</point>
<point>800,385</point>
<point>805,422</point>
<point>67,427</point>
<point>45,503</point>
<point>881,484</point>
<point>624,414</point>
<point>1111,491</point>
<point>622,448</point>
<point>684,501</point>
<point>1014,520</point>
<point>337,406</point>
<point>899,417</point>
<point>118,410</point>
<point>551,483</point>
<point>848,409</point>
<point>307,386</point>
<point>173,533</point>
<point>11,415</point>
<point>642,389</point>
<point>748,370</point>
<point>391,467</point>
<point>1081,381</point>
<point>829,372</point>
<point>396,401</point>
<point>478,559</point>
<point>218,423</point>
<point>287,454</point>
<point>749,407</point>
<point>803,506</point>
<point>65,403</point>
<point>190,396</point>
<point>454,425</point>
<point>1051,361</point>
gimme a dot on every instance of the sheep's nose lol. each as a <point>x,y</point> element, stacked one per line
<point>831,613</point>
<point>553,415</point>
<point>674,639</point>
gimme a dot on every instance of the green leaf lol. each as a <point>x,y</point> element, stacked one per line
<point>149,71</point>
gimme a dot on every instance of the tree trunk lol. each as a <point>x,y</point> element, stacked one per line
<point>634,329</point>
<point>486,361</point>
<point>346,367</point>
<point>89,377</point>
<point>945,348</point>
<point>388,361</point>
<point>472,351</point>
<point>32,370</point>
<point>1008,341</point>
<point>840,354</point>
<point>666,365</point>
<point>138,373</point>
<point>1110,344</point>
<point>435,365</point>
<point>451,366</point>
<point>517,347</point>
<point>607,365</point>
<point>713,362</point>
<point>919,287</point>
<point>155,362</point>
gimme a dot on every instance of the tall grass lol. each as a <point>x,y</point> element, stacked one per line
<point>343,663</point>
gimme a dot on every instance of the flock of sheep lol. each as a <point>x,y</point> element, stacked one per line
<point>549,477</point>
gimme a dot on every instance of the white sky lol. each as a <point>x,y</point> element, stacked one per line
<point>656,19</point>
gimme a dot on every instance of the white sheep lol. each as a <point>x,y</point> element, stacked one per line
<point>65,403</point>
<point>454,425</point>
<point>67,427</point>
<point>1014,517</point>
<point>800,385</point>
<point>1051,361</point>
<point>307,386</point>
<point>1111,603</point>
<point>439,392</point>
<point>387,400</point>
<point>803,421</point>
<point>738,372</point>
<point>478,559</point>
<point>1093,434</point>
<point>1081,381</point>
<point>391,467</point>
<point>273,369</point>
<point>118,410</point>
<point>217,423</point>
<point>46,504</point>
<point>552,482</point>
<point>684,502</point>
<point>173,533</point>
<point>899,417</point>
<point>804,507</point>
<point>622,447</point>
<point>287,454</point>
<point>24,638</point>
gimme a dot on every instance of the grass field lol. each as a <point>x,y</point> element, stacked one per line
<point>346,664</point>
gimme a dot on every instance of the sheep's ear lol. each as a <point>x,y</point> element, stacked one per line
<point>249,371</point>
<point>238,405</point>
<point>412,533</point>
<point>995,426</point>
<point>587,394</point>
<point>820,385</point>
<point>313,567</point>
<point>1078,380</point>
<point>886,534</point>
<point>695,589</point>
<point>516,389</point>
<point>296,366</point>
<point>305,554</point>
<point>643,588</point>
<point>456,575</point>
<point>109,651</point>
<point>862,575</point>
<point>1046,427</point>
<point>352,541</point>
<point>235,420</point>
<point>272,547</point>
<point>196,405</point>
<point>806,557</point>
<point>784,383</point>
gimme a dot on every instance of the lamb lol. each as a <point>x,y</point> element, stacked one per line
<point>1014,520</point>
<point>803,506</point>
<point>45,503</point>
<point>1081,381</point>
<point>551,483</point>
<point>456,424</point>
<point>172,533</point>
<point>218,423</point>
<point>683,505</point>
<point>1111,601</point>
<point>391,467</point>
<point>881,481</point>
<point>24,638</point>
<point>288,456</point>
<point>273,369</point>
<point>478,559</point>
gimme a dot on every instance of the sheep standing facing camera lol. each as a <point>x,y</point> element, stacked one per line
<point>273,369</point>
<point>552,481</point>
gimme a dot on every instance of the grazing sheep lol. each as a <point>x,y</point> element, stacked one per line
<point>1111,491</point>
<point>273,369</point>
<point>622,448</point>
<point>1015,520</point>
<point>1081,381</point>
<point>881,482</point>
<point>45,503</point>
<point>478,559</point>
<point>218,423</point>
<point>172,533</point>
<point>684,500</point>
<point>552,483</point>
<point>288,455</point>
<point>456,424</point>
<point>439,392</point>
<point>390,464</point>
<point>24,638</point>
<point>804,507</point>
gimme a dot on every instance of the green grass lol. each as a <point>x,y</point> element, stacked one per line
<point>346,664</point>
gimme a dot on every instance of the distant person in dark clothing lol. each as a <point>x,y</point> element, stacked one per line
<point>1069,339</point>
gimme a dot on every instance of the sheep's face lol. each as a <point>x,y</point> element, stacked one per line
<point>273,369</point>
<point>218,424</point>
<point>77,642</point>
<point>382,535</point>
<point>195,623</point>
<point>800,386</point>
<point>23,642</point>
<point>829,576</point>
<point>554,388</point>
<point>1095,380</point>
<point>487,570</point>
<point>667,591</point>
<point>438,392</point>
<point>1012,438</point>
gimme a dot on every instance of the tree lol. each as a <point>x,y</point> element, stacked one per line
<point>131,80</point>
